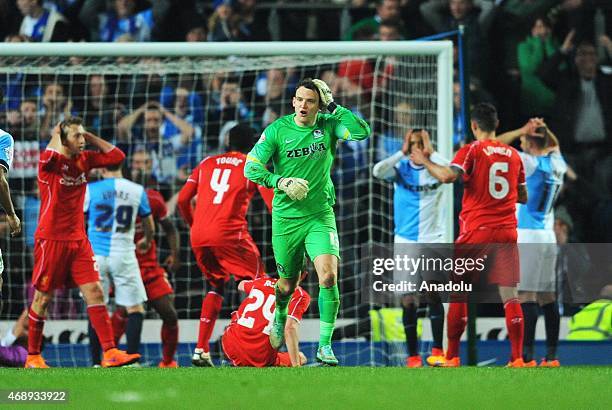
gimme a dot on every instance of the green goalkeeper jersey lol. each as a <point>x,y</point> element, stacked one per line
<point>303,152</point>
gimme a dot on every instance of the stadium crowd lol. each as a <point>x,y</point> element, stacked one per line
<point>548,58</point>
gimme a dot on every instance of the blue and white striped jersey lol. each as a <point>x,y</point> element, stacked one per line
<point>417,200</point>
<point>544,177</point>
<point>113,205</point>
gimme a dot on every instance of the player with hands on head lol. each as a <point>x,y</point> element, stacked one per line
<point>545,169</point>
<point>62,253</point>
<point>419,217</point>
<point>302,147</point>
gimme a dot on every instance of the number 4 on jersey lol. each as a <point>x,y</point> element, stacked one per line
<point>218,183</point>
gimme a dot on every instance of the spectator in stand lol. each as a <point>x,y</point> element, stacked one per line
<point>583,110</point>
<point>475,15</point>
<point>223,23</point>
<point>537,98</point>
<point>414,25</point>
<point>271,88</point>
<point>40,24</point>
<point>168,148</point>
<point>30,121</point>
<point>196,34</point>
<point>98,111</point>
<point>123,19</point>
<point>56,107</point>
<point>228,106</point>
<point>252,23</point>
<point>385,10</point>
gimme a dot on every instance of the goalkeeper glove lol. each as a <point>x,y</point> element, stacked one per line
<point>327,100</point>
<point>295,188</point>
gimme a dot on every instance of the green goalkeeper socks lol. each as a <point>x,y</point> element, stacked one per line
<point>282,305</point>
<point>329,304</point>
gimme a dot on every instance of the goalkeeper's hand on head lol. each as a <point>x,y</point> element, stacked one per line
<point>327,99</point>
<point>295,188</point>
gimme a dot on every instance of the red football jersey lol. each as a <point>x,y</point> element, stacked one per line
<point>62,182</point>
<point>492,172</point>
<point>223,196</point>
<point>159,212</point>
<point>251,323</point>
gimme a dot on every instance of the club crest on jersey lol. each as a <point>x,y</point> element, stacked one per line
<point>317,134</point>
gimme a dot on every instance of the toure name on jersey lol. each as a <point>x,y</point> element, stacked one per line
<point>314,150</point>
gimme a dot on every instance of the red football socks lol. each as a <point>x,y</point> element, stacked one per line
<point>457,320</point>
<point>211,306</point>
<point>169,337</point>
<point>35,332</point>
<point>515,325</point>
<point>119,323</point>
<point>102,325</point>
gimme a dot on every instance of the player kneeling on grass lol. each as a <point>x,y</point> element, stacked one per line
<point>246,341</point>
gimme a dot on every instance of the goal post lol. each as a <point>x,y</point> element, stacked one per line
<point>394,85</point>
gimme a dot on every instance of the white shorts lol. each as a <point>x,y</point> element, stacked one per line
<point>538,256</point>
<point>122,269</point>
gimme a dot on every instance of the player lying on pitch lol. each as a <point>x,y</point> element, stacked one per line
<point>246,340</point>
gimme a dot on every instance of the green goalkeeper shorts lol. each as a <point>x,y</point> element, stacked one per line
<point>291,237</point>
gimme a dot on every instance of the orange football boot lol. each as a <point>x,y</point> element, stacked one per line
<point>116,358</point>
<point>452,362</point>
<point>35,361</point>
<point>531,363</point>
<point>517,363</point>
<point>437,358</point>
<point>172,365</point>
<point>414,361</point>
<point>550,363</point>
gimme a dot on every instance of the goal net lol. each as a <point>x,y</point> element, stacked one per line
<point>194,95</point>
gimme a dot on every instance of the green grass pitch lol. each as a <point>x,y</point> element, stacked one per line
<point>321,388</point>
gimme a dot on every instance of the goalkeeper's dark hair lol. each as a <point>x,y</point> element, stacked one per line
<point>308,83</point>
<point>485,116</point>
<point>67,123</point>
<point>241,138</point>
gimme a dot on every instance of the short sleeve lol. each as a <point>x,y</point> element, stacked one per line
<point>49,160</point>
<point>299,304</point>
<point>144,209</point>
<point>521,175</point>
<point>460,158</point>
<point>96,159</point>
<point>530,163</point>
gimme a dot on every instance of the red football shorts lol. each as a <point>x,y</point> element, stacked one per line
<point>242,356</point>
<point>217,263</point>
<point>63,264</point>
<point>498,247</point>
<point>156,282</point>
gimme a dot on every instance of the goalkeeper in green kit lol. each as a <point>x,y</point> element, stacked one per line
<point>302,147</point>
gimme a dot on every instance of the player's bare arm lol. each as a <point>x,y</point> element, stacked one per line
<point>7,203</point>
<point>172,262</point>
<point>292,341</point>
<point>444,174</point>
<point>148,227</point>
<point>55,143</point>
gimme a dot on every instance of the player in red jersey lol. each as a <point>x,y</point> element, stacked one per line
<point>494,181</point>
<point>62,252</point>
<point>246,340</point>
<point>160,294</point>
<point>220,238</point>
